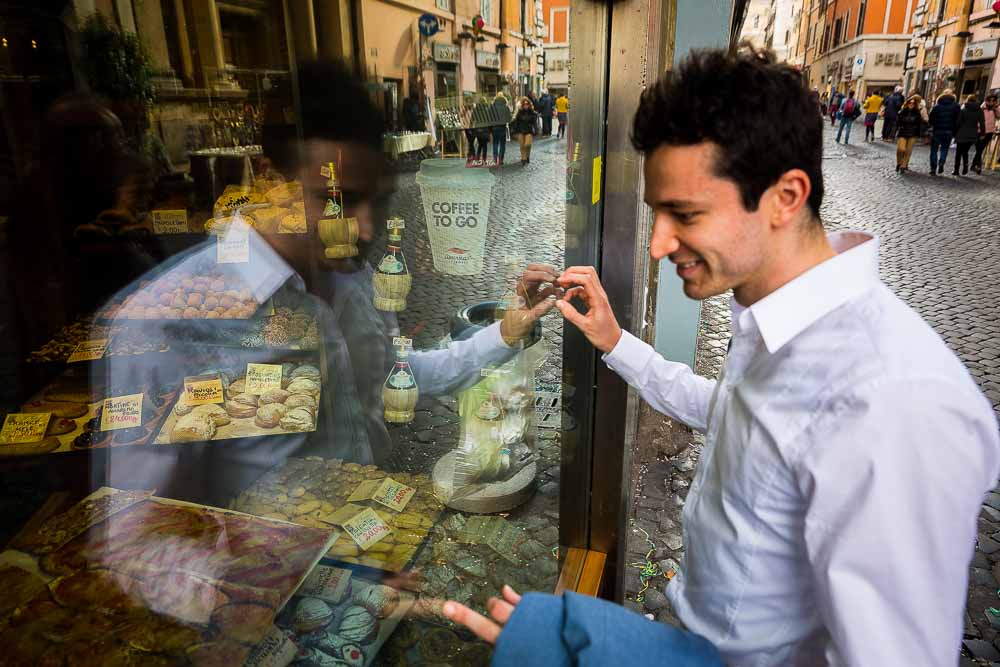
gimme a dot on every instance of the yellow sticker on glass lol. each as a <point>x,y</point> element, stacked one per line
<point>366,528</point>
<point>19,427</point>
<point>121,412</point>
<point>262,377</point>
<point>595,182</point>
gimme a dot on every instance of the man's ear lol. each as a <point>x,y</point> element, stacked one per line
<point>789,195</point>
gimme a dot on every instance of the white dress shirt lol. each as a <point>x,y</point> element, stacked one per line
<point>833,512</point>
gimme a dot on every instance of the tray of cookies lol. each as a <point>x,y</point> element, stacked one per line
<point>76,406</point>
<point>290,409</point>
<point>125,577</point>
<point>311,492</point>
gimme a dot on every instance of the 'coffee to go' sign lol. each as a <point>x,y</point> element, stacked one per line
<point>456,210</point>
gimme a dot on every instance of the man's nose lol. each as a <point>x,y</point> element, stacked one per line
<point>664,240</point>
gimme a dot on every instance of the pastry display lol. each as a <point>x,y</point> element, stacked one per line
<point>381,601</point>
<point>275,411</point>
<point>46,445</point>
<point>293,224</point>
<point>343,632</point>
<point>305,371</point>
<point>182,294</point>
<point>66,340</point>
<point>58,409</point>
<point>60,426</point>
<point>309,491</point>
<point>134,579</point>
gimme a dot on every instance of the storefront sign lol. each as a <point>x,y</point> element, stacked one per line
<point>121,412</point>
<point>89,350</point>
<point>524,64</point>
<point>889,59</point>
<point>931,57</point>
<point>446,53</point>
<point>20,428</point>
<point>858,66</point>
<point>980,51</point>
<point>556,65</point>
<point>263,377</point>
<point>366,528</point>
<point>170,222</point>
<point>487,60</point>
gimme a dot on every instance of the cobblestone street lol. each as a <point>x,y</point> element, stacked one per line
<point>939,252</point>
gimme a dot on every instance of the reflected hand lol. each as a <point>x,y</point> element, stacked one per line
<point>598,324</point>
<point>483,627</point>
<point>536,300</point>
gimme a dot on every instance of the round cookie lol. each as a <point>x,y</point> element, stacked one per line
<point>273,396</point>
<point>215,412</point>
<point>380,600</point>
<point>60,426</point>
<point>300,401</point>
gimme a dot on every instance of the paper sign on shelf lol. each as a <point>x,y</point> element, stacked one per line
<point>394,495</point>
<point>233,246</point>
<point>366,528</point>
<point>170,221</point>
<point>202,390</point>
<point>262,377</point>
<point>338,517</point>
<point>20,428</point>
<point>326,583</point>
<point>276,649</point>
<point>89,350</point>
<point>121,412</point>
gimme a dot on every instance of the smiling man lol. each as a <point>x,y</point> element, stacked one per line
<point>833,513</point>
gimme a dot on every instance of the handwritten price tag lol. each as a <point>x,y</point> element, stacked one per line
<point>170,221</point>
<point>200,390</point>
<point>395,223</point>
<point>89,350</point>
<point>343,514</point>
<point>366,528</point>
<point>121,412</point>
<point>24,427</point>
<point>394,495</point>
<point>402,341</point>
<point>234,245</point>
<point>262,377</point>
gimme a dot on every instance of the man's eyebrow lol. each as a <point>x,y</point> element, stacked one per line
<point>674,204</point>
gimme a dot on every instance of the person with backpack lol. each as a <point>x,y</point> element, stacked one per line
<point>849,112</point>
<point>971,126</point>
<point>909,125</point>
<point>943,120</point>
<point>890,111</point>
<point>835,99</point>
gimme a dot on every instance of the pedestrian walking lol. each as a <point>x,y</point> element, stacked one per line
<point>849,112</point>
<point>890,111</point>
<point>910,126</point>
<point>823,496</point>
<point>943,120</point>
<point>562,113</point>
<point>546,107</point>
<point>835,100</point>
<point>971,128</point>
<point>814,96</point>
<point>523,126</point>
<point>990,125</point>
<point>872,106</point>
<point>499,132</point>
<point>824,103</point>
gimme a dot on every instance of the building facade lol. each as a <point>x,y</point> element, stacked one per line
<point>954,45</point>
<point>758,27</point>
<point>556,44</point>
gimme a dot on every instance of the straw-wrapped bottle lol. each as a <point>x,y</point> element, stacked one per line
<point>339,234</point>
<point>400,392</point>
<point>392,280</point>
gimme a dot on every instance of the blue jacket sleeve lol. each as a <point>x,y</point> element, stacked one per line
<point>579,630</point>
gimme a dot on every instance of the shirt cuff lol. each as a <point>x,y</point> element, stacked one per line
<point>493,340</point>
<point>630,356</point>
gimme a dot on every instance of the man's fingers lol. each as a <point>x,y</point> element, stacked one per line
<point>540,308</point>
<point>570,312</point>
<point>510,595</point>
<point>499,610</point>
<point>586,279</point>
<point>481,626</point>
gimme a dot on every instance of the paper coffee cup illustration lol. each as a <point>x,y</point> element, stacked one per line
<point>456,210</point>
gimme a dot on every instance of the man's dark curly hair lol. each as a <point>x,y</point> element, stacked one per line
<point>758,112</point>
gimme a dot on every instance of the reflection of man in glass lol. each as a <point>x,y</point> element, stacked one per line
<point>356,352</point>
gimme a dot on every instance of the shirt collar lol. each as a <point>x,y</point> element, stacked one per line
<point>789,310</point>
